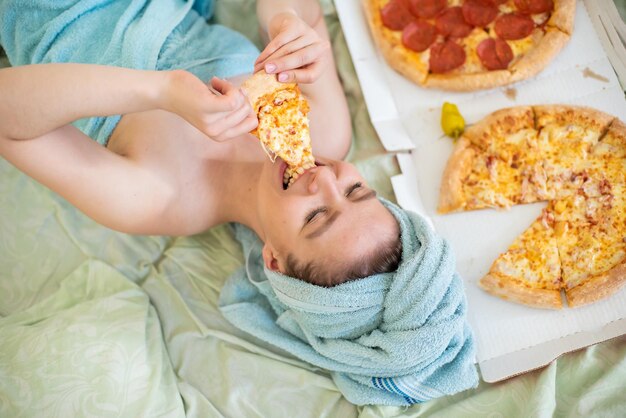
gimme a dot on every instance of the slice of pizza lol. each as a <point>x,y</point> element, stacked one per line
<point>529,272</point>
<point>608,156</point>
<point>283,129</point>
<point>591,238</point>
<point>567,137</point>
<point>495,164</point>
<point>475,179</point>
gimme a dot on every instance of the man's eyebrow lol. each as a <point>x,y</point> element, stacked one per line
<point>367,196</point>
<point>332,218</point>
<point>327,224</point>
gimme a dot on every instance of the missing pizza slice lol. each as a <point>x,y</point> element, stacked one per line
<point>283,128</point>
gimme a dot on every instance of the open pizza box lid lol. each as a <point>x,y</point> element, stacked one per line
<point>511,338</point>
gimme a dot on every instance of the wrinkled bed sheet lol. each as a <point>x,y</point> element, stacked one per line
<point>98,323</point>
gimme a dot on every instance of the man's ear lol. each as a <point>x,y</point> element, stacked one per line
<point>271,262</point>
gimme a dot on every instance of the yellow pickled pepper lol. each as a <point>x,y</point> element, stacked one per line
<point>452,122</point>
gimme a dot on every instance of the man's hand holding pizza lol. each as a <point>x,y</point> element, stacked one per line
<point>218,108</point>
<point>296,52</point>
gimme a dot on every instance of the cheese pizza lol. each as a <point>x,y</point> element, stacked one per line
<point>573,157</point>
<point>283,129</point>
<point>469,44</point>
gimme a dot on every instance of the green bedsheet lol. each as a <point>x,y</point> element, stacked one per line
<point>98,323</point>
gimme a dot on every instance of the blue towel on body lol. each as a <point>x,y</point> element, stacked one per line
<point>141,34</point>
<point>393,338</point>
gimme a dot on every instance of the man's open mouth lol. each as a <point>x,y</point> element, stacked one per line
<point>290,175</point>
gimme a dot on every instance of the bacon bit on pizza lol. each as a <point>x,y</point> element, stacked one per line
<point>547,218</point>
<point>452,121</point>
<point>605,187</point>
<point>525,189</point>
<point>490,162</point>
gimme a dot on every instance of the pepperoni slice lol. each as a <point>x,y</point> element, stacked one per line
<point>514,26</point>
<point>451,23</point>
<point>419,35</point>
<point>495,54</point>
<point>479,12</point>
<point>427,9</point>
<point>534,6</point>
<point>396,15</point>
<point>446,56</point>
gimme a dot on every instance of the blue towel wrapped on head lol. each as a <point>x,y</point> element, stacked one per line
<point>392,339</point>
<point>140,34</point>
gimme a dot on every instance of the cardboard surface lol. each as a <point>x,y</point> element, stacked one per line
<point>511,338</point>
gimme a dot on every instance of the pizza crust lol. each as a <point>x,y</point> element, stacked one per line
<point>540,56</point>
<point>500,123</point>
<point>598,287</point>
<point>262,84</point>
<point>563,16</point>
<point>510,290</point>
<point>618,130</point>
<point>469,82</point>
<point>451,197</point>
<point>563,114</point>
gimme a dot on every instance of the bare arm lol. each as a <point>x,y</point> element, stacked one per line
<point>37,99</point>
<point>39,102</point>
<point>304,55</point>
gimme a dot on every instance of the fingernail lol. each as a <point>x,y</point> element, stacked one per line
<point>282,77</point>
<point>270,68</point>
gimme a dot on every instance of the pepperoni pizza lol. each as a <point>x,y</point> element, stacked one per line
<point>468,45</point>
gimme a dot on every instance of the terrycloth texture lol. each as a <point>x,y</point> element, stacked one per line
<point>395,338</point>
<point>141,34</point>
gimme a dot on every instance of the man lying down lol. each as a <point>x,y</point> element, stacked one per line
<point>396,337</point>
<point>106,103</point>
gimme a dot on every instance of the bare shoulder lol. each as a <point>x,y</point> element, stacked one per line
<point>183,161</point>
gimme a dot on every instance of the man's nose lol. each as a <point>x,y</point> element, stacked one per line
<point>322,179</point>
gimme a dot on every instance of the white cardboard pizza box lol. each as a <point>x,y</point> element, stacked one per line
<point>511,339</point>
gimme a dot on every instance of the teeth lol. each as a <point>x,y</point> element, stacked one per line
<point>292,173</point>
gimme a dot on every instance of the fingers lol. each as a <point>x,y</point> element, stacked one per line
<point>300,58</point>
<point>288,48</point>
<point>288,35</point>
<point>303,66</point>
<point>231,97</point>
<point>221,85</point>
<point>304,75</point>
<point>226,125</point>
<point>245,126</point>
